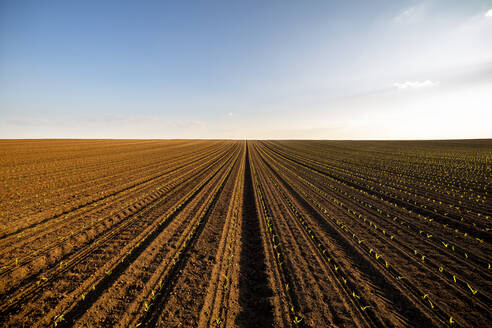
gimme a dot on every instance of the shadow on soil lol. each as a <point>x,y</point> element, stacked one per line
<point>254,289</point>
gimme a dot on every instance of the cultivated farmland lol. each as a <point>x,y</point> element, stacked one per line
<point>195,233</point>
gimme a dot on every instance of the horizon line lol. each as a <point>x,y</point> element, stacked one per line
<point>251,139</point>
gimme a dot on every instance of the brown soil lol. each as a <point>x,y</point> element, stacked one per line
<point>190,233</point>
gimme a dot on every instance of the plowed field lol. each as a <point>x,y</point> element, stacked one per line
<point>195,233</point>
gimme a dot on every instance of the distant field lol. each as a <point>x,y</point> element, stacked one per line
<point>194,233</point>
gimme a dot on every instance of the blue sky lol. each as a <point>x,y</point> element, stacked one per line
<point>246,69</point>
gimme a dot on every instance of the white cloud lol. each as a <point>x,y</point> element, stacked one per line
<point>489,13</point>
<point>415,84</point>
<point>229,114</point>
<point>411,15</point>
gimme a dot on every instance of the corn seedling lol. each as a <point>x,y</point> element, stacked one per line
<point>426,296</point>
<point>474,291</point>
<point>58,319</point>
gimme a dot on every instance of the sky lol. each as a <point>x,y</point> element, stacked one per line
<point>259,69</point>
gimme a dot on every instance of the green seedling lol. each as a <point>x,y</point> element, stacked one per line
<point>426,296</point>
<point>59,319</point>
<point>474,291</point>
